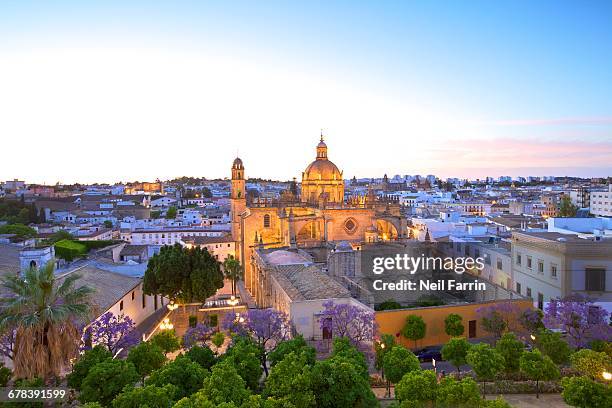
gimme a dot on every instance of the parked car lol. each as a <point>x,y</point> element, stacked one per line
<point>429,353</point>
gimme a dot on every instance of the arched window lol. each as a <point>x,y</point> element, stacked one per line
<point>266,222</point>
<point>32,264</point>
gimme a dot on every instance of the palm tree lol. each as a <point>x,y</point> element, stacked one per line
<point>232,270</point>
<point>45,313</point>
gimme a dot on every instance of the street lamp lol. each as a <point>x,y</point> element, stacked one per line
<point>172,306</point>
<point>606,375</point>
<point>532,337</point>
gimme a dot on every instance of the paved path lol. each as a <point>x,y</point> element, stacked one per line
<point>530,400</point>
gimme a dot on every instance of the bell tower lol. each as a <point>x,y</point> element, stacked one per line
<point>237,199</point>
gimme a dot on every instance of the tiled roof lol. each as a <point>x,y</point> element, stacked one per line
<point>307,282</point>
<point>197,240</point>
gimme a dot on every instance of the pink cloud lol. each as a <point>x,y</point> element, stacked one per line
<point>601,120</point>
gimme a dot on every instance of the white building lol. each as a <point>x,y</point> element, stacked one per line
<point>167,236</point>
<point>601,202</point>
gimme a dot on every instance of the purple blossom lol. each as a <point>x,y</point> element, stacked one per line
<point>196,335</point>
<point>580,318</point>
<point>7,343</point>
<point>509,314</point>
<point>113,332</point>
<point>346,320</point>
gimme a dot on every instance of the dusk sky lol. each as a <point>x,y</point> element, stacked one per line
<point>122,90</point>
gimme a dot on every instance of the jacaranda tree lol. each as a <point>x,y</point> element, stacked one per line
<point>113,332</point>
<point>346,320</point>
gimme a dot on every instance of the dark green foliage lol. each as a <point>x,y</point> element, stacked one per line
<point>106,380</point>
<point>399,361</point>
<point>146,358</point>
<point>456,351</point>
<point>201,355</point>
<point>20,230</point>
<point>245,356</point>
<point>338,383</point>
<point>5,375</point>
<point>414,328</point>
<point>511,349</point>
<point>149,397</point>
<point>186,375</point>
<point>69,250</point>
<point>18,212</point>
<point>586,393</point>
<point>213,320</point>
<point>458,394</point>
<point>193,321</point>
<point>453,325</point>
<point>85,363</point>
<point>171,213</point>
<point>417,387</point>
<point>166,340</point>
<point>388,305</point>
<point>296,345</point>
<point>26,383</point>
<point>485,361</point>
<point>291,380</point>
<point>342,347</point>
<point>552,345</point>
<point>538,367</point>
<point>381,348</point>
<point>188,274</point>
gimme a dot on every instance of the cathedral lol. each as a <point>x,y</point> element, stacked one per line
<point>315,219</point>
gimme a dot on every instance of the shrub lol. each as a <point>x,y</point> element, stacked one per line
<point>453,325</point>
<point>5,375</point>
<point>69,250</point>
<point>414,328</point>
<point>453,393</point>
<point>399,361</point>
<point>511,349</point>
<point>186,375</point>
<point>591,363</point>
<point>552,345</point>
<point>297,345</point>
<point>584,392</point>
<point>146,358</point>
<point>149,396</point>
<point>387,305</point>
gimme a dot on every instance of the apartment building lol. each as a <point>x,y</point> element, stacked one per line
<point>547,265</point>
<point>601,202</point>
<point>167,236</point>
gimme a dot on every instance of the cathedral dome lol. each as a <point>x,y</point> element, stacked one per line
<point>237,163</point>
<point>322,170</point>
<point>322,180</point>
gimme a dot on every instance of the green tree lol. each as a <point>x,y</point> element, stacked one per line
<point>381,348</point>
<point>551,344</point>
<point>201,355</point>
<point>291,381</point>
<point>338,383</point>
<point>233,271</point>
<point>146,358</point>
<point>591,363</point>
<point>149,396</point>
<point>5,375</point>
<point>187,274</point>
<point>295,345</point>
<point>498,402</point>
<point>585,393</point>
<point>45,312</point>
<point>245,356</point>
<point>399,361</point>
<point>453,325</point>
<point>106,380</point>
<point>485,361</point>
<point>85,363</point>
<point>186,375</point>
<point>458,394</point>
<point>166,340</point>
<point>171,213</point>
<point>566,208</point>
<point>20,230</point>
<point>224,384</point>
<point>456,351</point>
<point>538,367</point>
<point>511,349</point>
<point>417,387</point>
<point>414,328</point>
<point>343,347</point>
<point>389,304</point>
<point>59,236</point>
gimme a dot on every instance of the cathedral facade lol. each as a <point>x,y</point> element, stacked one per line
<point>316,218</point>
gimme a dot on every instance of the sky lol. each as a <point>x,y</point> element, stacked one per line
<point>139,90</point>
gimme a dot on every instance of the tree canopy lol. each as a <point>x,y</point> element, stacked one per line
<point>187,274</point>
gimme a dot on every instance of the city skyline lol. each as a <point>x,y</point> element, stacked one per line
<point>142,91</point>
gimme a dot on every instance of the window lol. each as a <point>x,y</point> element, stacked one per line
<point>529,262</point>
<point>518,259</point>
<point>518,287</point>
<point>553,271</point>
<point>144,301</point>
<point>595,279</point>
<point>266,221</point>
<point>499,264</point>
<point>121,305</point>
<point>540,266</point>
<point>529,292</point>
<point>133,295</point>
<point>540,301</point>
